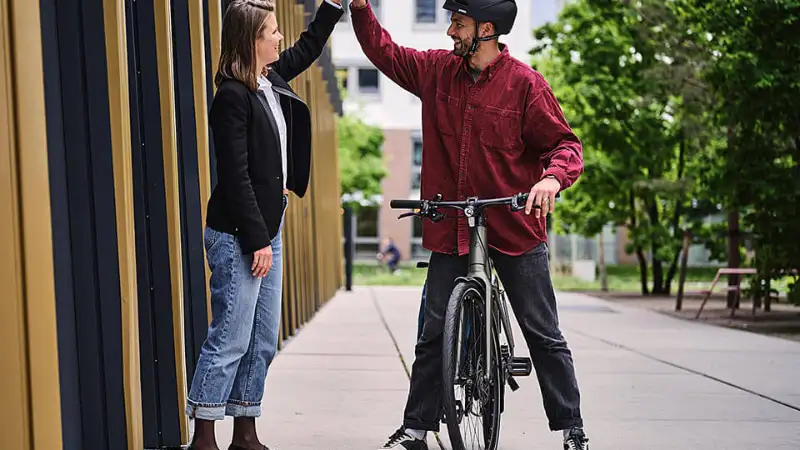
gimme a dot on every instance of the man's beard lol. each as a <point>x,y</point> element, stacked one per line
<point>461,48</point>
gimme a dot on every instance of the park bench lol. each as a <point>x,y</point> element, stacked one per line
<point>735,287</point>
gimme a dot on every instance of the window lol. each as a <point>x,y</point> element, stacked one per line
<point>367,240</point>
<point>341,75</point>
<point>417,152</point>
<point>376,8</point>
<point>416,162</point>
<point>367,222</point>
<point>368,80</point>
<point>416,179</point>
<point>426,11</point>
<point>417,252</point>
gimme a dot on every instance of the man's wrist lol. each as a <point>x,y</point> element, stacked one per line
<point>335,3</point>
<point>554,177</point>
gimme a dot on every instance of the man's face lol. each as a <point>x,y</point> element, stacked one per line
<point>461,31</point>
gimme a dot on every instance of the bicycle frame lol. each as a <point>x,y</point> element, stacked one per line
<point>480,264</point>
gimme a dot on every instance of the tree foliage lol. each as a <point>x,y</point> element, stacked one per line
<point>619,71</point>
<point>754,75</point>
<point>686,108</point>
<point>361,164</point>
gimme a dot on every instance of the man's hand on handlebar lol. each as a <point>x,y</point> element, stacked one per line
<point>543,197</point>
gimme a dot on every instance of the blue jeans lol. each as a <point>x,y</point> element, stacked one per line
<point>421,317</point>
<point>243,335</point>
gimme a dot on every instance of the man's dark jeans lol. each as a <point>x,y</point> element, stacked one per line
<point>526,279</point>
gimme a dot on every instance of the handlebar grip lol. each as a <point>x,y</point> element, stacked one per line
<point>405,204</point>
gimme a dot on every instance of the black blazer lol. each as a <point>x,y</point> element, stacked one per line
<point>247,200</point>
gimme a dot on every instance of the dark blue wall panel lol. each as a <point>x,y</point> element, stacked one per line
<point>83,212</point>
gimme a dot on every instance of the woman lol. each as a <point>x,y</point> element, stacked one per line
<point>262,141</point>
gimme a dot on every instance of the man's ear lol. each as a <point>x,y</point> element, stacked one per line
<point>486,29</point>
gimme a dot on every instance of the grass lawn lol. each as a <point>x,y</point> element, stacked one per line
<point>620,278</point>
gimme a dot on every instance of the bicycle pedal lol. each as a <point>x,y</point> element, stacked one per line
<point>520,366</point>
<point>512,383</point>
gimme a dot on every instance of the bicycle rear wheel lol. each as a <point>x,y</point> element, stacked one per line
<point>471,400</point>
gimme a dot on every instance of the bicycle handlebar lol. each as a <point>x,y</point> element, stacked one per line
<point>516,201</point>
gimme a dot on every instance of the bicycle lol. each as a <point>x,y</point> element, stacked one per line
<point>473,359</point>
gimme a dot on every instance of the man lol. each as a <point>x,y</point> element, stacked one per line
<point>389,254</point>
<point>492,127</point>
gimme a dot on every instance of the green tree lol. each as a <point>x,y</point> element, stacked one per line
<point>361,164</point>
<point>753,70</point>
<point>629,88</point>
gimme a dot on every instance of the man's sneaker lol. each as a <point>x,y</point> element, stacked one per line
<point>402,440</point>
<point>576,440</point>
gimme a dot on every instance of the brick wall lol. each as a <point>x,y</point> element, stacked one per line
<point>397,184</point>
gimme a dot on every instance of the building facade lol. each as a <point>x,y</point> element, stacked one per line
<point>420,24</point>
<point>105,169</point>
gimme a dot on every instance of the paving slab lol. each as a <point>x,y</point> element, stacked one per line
<point>648,381</point>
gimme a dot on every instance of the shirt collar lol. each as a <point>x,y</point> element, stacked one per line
<point>264,83</point>
<point>493,66</point>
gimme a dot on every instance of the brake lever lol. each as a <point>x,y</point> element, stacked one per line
<point>408,214</point>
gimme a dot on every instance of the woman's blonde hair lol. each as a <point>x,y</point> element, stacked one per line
<point>243,22</point>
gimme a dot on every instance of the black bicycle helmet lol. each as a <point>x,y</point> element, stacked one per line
<point>502,13</point>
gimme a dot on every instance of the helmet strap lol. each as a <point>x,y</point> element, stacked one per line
<point>475,40</point>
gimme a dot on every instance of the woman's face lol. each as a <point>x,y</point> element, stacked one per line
<point>267,42</point>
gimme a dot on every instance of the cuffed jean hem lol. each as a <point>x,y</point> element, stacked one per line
<point>243,410</point>
<point>205,411</point>
<point>566,424</point>
<point>414,425</point>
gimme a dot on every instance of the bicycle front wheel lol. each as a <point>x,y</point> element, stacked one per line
<point>471,391</point>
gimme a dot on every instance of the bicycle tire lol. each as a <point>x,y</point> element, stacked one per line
<point>466,293</point>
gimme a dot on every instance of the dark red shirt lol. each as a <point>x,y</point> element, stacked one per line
<point>492,137</point>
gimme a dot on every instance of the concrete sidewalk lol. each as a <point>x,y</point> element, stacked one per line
<point>648,381</point>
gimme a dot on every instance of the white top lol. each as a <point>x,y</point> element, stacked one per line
<point>265,86</point>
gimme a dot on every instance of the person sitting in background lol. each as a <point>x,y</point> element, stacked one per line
<point>393,253</point>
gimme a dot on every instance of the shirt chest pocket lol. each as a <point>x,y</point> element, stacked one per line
<point>500,129</point>
<point>448,114</point>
